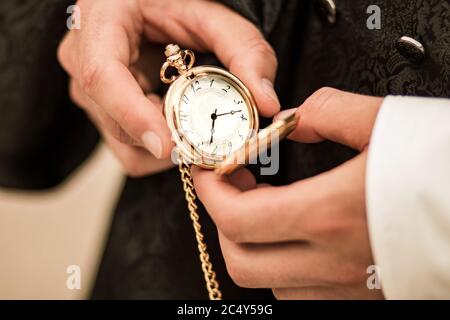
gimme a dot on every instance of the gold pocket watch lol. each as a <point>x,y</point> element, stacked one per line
<point>213,117</point>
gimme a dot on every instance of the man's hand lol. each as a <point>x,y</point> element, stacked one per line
<point>307,240</point>
<point>113,71</point>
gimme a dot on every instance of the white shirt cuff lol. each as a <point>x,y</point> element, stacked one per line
<point>408,197</point>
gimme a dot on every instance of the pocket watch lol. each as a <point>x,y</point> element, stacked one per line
<point>212,117</point>
<point>210,112</point>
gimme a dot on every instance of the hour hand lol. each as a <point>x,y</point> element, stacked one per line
<point>213,117</point>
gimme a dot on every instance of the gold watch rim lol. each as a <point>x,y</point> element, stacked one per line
<point>172,103</point>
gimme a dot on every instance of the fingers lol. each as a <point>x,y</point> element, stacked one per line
<point>115,90</point>
<point>243,179</point>
<point>300,237</point>
<point>237,43</point>
<point>251,216</point>
<point>274,265</point>
<point>136,162</point>
<point>242,48</point>
<point>327,293</point>
<point>302,211</point>
<point>307,293</point>
<point>287,265</point>
<point>98,56</point>
<point>339,116</point>
<point>99,116</point>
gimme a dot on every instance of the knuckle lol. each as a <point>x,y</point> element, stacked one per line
<point>136,173</point>
<point>256,46</point>
<point>262,47</point>
<point>351,274</point>
<point>119,134</point>
<point>132,168</point>
<point>238,273</point>
<point>74,94</point>
<point>62,54</point>
<point>321,99</point>
<point>230,225</point>
<point>124,137</point>
<point>125,115</point>
<point>330,219</point>
<point>232,234</point>
<point>91,74</point>
<point>324,228</point>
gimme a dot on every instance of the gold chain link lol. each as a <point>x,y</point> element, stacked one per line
<point>212,284</point>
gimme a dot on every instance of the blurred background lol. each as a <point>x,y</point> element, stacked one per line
<point>44,232</point>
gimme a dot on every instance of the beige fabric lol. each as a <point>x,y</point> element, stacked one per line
<point>42,233</point>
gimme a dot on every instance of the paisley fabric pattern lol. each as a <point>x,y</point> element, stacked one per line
<point>351,57</point>
<point>151,251</point>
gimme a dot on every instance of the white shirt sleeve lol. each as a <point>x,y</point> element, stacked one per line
<point>408,197</point>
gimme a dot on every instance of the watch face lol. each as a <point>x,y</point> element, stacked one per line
<point>214,115</point>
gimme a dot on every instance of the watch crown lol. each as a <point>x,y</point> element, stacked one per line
<point>182,60</point>
<point>172,49</point>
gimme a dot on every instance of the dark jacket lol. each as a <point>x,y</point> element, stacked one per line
<point>151,249</point>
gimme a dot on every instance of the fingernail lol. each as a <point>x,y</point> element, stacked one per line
<point>268,89</point>
<point>152,143</point>
<point>284,114</point>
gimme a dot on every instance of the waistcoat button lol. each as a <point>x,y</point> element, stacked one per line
<point>327,10</point>
<point>410,49</point>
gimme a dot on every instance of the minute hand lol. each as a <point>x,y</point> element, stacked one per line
<point>231,112</point>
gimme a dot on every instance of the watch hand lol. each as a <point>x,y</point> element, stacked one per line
<point>213,117</point>
<point>231,112</point>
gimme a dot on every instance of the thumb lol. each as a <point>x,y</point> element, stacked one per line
<point>241,47</point>
<point>339,116</point>
<point>238,44</point>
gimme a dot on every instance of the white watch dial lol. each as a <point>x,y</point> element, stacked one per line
<point>214,116</point>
